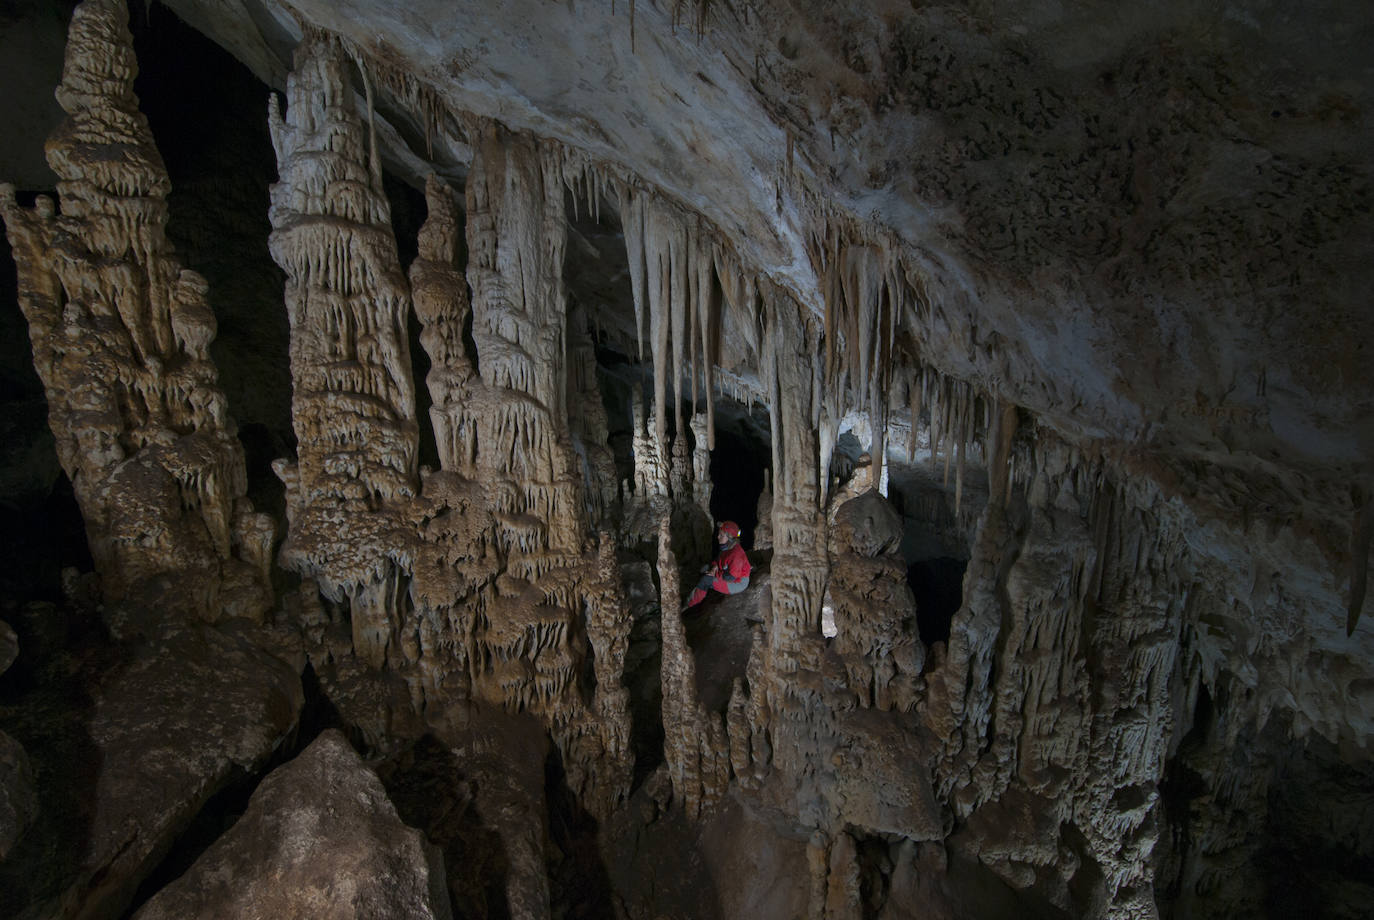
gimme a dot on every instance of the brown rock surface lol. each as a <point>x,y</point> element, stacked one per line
<point>126,751</point>
<point>320,840</point>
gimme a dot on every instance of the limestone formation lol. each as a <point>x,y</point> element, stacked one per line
<point>695,743</point>
<point>512,593</point>
<point>353,401</point>
<point>120,332</point>
<point>1086,290</point>
<point>701,462</point>
<point>874,610</point>
<point>319,838</point>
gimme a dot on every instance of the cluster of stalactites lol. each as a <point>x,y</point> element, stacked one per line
<point>120,334</point>
<point>875,306</point>
<point>865,294</point>
<point>679,270</point>
<point>353,401</point>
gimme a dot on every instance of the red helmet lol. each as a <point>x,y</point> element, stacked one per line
<point>730,529</point>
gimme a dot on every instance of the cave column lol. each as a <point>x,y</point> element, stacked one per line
<point>554,593</point>
<point>353,401</point>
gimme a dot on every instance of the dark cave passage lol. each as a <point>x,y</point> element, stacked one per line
<point>206,113</point>
<point>938,585</point>
<point>738,466</point>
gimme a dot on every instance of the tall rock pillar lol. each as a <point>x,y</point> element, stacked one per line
<point>120,334</point>
<point>353,401</point>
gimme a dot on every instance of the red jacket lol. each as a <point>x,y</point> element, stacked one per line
<point>731,565</point>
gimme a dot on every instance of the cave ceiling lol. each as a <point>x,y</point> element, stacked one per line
<point>1148,225</point>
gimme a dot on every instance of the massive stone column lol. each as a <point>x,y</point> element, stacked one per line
<point>551,592</point>
<point>120,335</point>
<point>353,401</point>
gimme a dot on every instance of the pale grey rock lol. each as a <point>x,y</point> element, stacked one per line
<point>320,839</point>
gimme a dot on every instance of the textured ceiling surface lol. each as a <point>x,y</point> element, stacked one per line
<point>1149,224</point>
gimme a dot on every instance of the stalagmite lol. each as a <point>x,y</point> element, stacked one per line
<point>353,402</point>
<point>120,335</point>
<point>694,742</point>
<point>874,609</point>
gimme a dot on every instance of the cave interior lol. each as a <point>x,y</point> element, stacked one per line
<point>376,376</point>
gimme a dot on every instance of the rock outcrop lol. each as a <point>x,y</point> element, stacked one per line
<point>319,839</point>
<point>128,750</point>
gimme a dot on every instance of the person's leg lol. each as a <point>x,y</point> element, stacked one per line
<point>699,593</point>
<point>733,587</point>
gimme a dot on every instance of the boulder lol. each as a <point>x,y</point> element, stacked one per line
<point>320,839</point>
<point>128,749</point>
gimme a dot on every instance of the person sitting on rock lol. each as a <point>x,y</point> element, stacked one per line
<point>729,573</point>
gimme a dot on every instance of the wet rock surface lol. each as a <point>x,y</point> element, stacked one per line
<point>319,839</point>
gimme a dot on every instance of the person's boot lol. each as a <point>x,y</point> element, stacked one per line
<point>696,597</point>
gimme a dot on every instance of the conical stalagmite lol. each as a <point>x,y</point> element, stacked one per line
<point>120,334</point>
